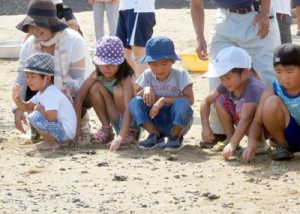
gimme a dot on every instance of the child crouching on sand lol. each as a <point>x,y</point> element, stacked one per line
<point>235,99</point>
<point>279,107</point>
<point>165,95</point>
<point>110,88</point>
<point>52,113</point>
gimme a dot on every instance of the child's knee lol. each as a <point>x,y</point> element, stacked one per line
<point>182,106</point>
<point>135,102</point>
<point>272,105</point>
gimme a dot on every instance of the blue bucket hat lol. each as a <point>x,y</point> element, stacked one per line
<point>159,47</point>
<point>40,63</point>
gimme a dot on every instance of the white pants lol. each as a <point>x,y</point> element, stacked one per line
<point>112,12</point>
<point>231,29</point>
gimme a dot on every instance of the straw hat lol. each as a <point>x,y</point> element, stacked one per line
<point>42,13</point>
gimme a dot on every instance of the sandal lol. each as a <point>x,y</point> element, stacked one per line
<point>262,148</point>
<point>282,154</point>
<point>104,135</point>
<point>128,139</point>
<point>219,146</point>
<point>217,138</point>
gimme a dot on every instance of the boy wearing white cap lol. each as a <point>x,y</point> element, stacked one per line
<point>235,98</point>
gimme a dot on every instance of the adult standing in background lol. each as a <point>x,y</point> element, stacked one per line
<point>248,24</point>
<point>99,7</point>
<point>135,28</point>
<point>284,19</point>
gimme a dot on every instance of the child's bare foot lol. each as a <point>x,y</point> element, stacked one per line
<point>47,145</point>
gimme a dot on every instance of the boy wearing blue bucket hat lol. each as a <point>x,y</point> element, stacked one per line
<point>51,112</point>
<point>165,95</point>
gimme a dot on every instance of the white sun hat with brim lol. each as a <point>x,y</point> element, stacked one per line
<point>228,59</point>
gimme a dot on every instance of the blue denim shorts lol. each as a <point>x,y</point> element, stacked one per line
<point>54,129</point>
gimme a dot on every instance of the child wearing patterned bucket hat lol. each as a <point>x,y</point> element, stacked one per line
<point>279,107</point>
<point>51,112</point>
<point>165,96</point>
<point>235,99</point>
<point>110,88</point>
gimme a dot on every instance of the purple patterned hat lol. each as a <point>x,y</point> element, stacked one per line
<point>109,51</point>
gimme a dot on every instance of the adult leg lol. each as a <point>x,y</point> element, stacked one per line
<point>98,9</point>
<point>142,31</point>
<point>138,53</point>
<point>284,24</point>
<point>298,19</point>
<point>260,50</point>
<point>130,59</point>
<point>112,14</point>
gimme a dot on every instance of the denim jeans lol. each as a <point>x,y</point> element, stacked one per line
<point>180,113</point>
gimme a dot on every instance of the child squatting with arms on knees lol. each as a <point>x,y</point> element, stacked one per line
<point>235,98</point>
<point>279,107</point>
<point>165,96</point>
<point>110,88</point>
<point>52,113</point>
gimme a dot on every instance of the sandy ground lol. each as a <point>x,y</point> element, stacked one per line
<point>91,179</point>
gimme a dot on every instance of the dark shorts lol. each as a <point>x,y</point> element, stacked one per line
<point>135,29</point>
<point>292,135</point>
<point>296,3</point>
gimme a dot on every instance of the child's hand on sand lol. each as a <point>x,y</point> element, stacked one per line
<point>115,144</point>
<point>17,89</point>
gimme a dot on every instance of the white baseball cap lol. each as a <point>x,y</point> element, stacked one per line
<point>57,2</point>
<point>226,60</point>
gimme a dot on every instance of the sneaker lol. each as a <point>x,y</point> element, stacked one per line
<point>282,153</point>
<point>173,144</point>
<point>151,142</point>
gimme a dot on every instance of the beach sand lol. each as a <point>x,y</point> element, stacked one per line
<point>91,179</point>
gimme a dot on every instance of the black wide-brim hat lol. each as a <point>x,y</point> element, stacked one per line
<point>42,13</point>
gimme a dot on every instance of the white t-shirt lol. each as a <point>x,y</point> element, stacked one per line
<point>171,87</point>
<point>282,6</point>
<point>54,99</point>
<point>126,4</point>
<point>144,6</point>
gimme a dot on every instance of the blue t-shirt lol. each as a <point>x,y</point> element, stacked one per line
<point>291,102</point>
<point>232,4</point>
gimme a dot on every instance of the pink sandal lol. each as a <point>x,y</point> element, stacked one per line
<point>104,135</point>
<point>128,139</point>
